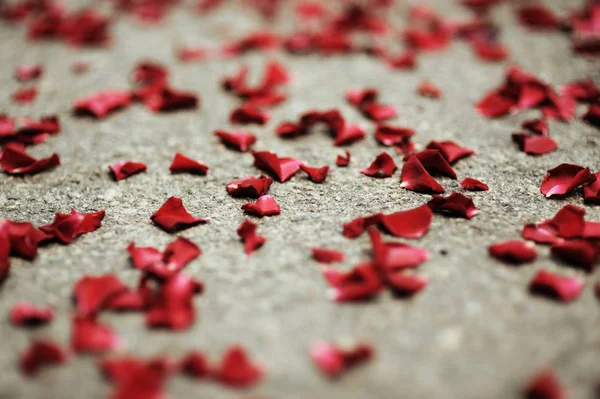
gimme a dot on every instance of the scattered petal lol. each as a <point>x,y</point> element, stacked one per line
<point>533,144</point>
<point>103,103</point>
<point>238,140</point>
<point>92,292</point>
<point>265,205</point>
<point>591,191</point>
<point>323,255</point>
<point>578,253</point>
<point>556,286</point>
<point>450,150</point>
<point>456,204</point>
<point>415,177</point>
<point>41,353</point>
<point>361,283</point>
<point>412,223</point>
<point>357,226</point>
<point>249,186</point>
<point>29,315</point>
<point>195,364</point>
<point>171,305</point>
<point>565,178</point>
<point>393,256</point>
<point>252,240</point>
<point>25,95</point>
<point>471,184</point>
<point>27,72</point>
<point>167,263</point>
<point>343,160</point>
<point>332,360</point>
<point>316,175</point>
<point>123,169</point>
<point>592,116</point>
<point>405,284</point>
<point>382,166</point>
<point>247,114</point>
<point>89,336</point>
<point>15,161</point>
<point>281,168</point>
<point>538,16</point>
<point>172,216</point>
<point>514,251</point>
<point>537,126</point>
<point>134,378</point>
<point>544,385</point>
<point>392,135</point>
<point>428,89</point>
<point>66,227</point>
<point>183,164</point>
<point>237,370</point>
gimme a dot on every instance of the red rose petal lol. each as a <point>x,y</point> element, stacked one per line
<point>537,16</point>
<point>103,103</point>
<point>349,135</point>
<point>392,256</point>
<point>565,178</point>
<point>129,300</point>
<point>578,253</point>
<point>357,226</point>
<point>281,168</point>
<point>592,116</point>
<point>252,240</point>
<point>167,99</point>
<point>332,360</point>
<point>21,238</point>
<point>392,135</point>
<point>556,286</point>
<point>27,72</point>
<point>41,353</point>
<point>584,90</point>
<point>191,54</point>
<point>544,385</point>
<point>29,315</point>
<point>172,305</point>
<point>25,95</point>
<point>7,126</point>
<point>428,89</point>
<point>249,186</point>
<point>382,166</point>
<point>537,126</point>
<point>404,284</point>
<point>195,364</point>
<point>412,223</point>
<point>15,161</point>
<point>92,292</point>
<point>533,144</point>
<point>361,283</point>
<point>123,169</point>
<point>167,263</point>
<point>247,114</point>
<point>343,160</point>
<point>451,151</point>
<point>237,370</point>
<point>37,131</point>
<point>513,251</point>
<point>494,105</point>
<point>591,191</point>
<point>137,379</point>
<point>66,227</point>
<point>173,216</point>
<point>183,164</point>
<point>316,175</point>
<point>404,61</point>
<point>89,336</point>
<point>456,204</point>
<point>471,184</point>
<point>239,140</point>
<point>323,255</point>
<point>568,222</point>
<point>488,51</point>
<point>415,177</point>
<point>435,163</point>
<point>265,205</point>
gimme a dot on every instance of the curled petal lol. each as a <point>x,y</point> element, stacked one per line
<point>173,216</point>
<point>533,144</point>
<point>29,315</point>
<point>456,204</point>
<point>361,283</point>
<point>514,251</point>
<point>578,253</point>
<point>249,186</point>
<point>103,103</point>
<point>264,206</point>
<point>282,168</point>
<point>15,161</point>
<point>41,353</point>
<point>537,126</point>
<point>471,184</point>
<point>316,175</point>
<point>412,223</point>
<point>343,160</point>
<point>66,227</point>
<point>393,256</point>
<point>124,169</point>
<point>565,178</point>
<point>252,240</point>
<point>171,305</point>
<point>183,164</point>
<point>247,114</point>
<point>323,255</point>
<point>92,293</point>
<point>238,140</point>
<point>415,177</point>
<point>556,286</point>
<point>89,336</point>
<point>237,370</point>
<point>382,166</point>
<point>451,151</point>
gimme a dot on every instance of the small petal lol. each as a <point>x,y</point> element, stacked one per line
<point>333,360</point>
<point>123,169</point>
<point>103,103</point>
<point>238,140</point>
<point>565,178</point>
<point>343,160</point>
<point>382,166</point>
<point>281,168</point>
<point>316,175</point>
<point>29,315</point>
<point>252,240</point>
<point>361,283</point>
<point>173,216</point>
<point>456,204</point>
<point>183,164</point>
<point>15,161</point>
<point>471,184</point>
<point>237,370</point>
<point>556,286</point>
<point>39,354</point>
<point>415,177</point>
<point>514,251</point>
<point>323,255</point>
<point>66,227</point>
<point>412,223</point>
<point>264,206</point>
<point>249,186</point>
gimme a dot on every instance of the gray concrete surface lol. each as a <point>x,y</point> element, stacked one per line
<point>474,333</point>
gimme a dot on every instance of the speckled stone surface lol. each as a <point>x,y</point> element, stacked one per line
<point>474,333</point>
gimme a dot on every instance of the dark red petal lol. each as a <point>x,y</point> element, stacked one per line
<point>4,257</point>
<point>239,140</point>
<point>412,223</point>
<point>183,164</point>
<point>103,102</point>
<point>39,354</point>
<point>15,161</point>
<point>435,163</point>
<point>533,144</point>
<point>332,360</point>
<point>247,114</point>
<point>252,240</point>
<point>565,178</point>
<point>173,216</point>
<point>537,126</point>
<point>237,370</point>
<point>361,283</point>
<point>578,253</point>
<point>323,255</point>
<point>379,112</point>
<point>349,135</point>
<point>89,336</point>
<point>249,186</point>
<point>540,234</point>
<point>563,288</point>
<point>22,238</point>
<point>514,251</point>
<point>428,89</point>
<point>343,160</point>
<point>264,206</point>
<point>168,99</point>
<point>66,227</point>
<point>173,259</point>
<point>172,306</point>
<point>124,169</point>
<point>281,168</point>
<point>357,226</point>
<point>592,116</point>
<point>584,90</point>
<point>392,135</point>
<point>92,292</point>
<point>137,379</point>
<point>415,177</point>
<point>29,315</point>
<point>494,105</point>
<point>27,72</point>
<point>568,222</point>
<point>456,204</point>
<point>7,126</point>
<point>382,166</point>
<point>471,184</point>
<point>591,191</point>
<point>130,300</point>
<point>25,95</point>
<point>391,256</point>
<point>451,151</point>
<point>538,16</point>
<point>545,385</point>
<point>404,284</point>
<point>195,364</point>
<point>316,175</point>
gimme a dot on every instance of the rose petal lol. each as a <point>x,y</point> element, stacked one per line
<point>584,90</point>
<point>92,292</point>
<point>415,177</point>
<point>167,99</point>
<point>281,168</point>
<point>123,169</point>
<point>102,103</point>
<point>456,204</point>
<point>66,227</point>
<point>392,256</point>
<point>239,140</point>
<point>393,135</point>
<point>136,378</point>
<point>25,95</point>
<point>471,184</point>
<point>323,255</point>
<point>171,305</point>
<point>173,216</point>
<point>382,166</point>
<point>537,16</point>
<point>237,370</point>
<point>578,253</point>
<point>27,72</point>
<point>15,161</point>
<point>404,284</point>
<point>247,114</point>
<point>556,286</point>
<point>252,240</point>
<point>195,364</point>
<point>89,336</point>
<point>533,144</point>
<point>316,175</point>
<point>428,89</point>
<point>565,178</point>
<point>41,353</point>
<point>451,151</point>
<point>343,160</point>
<point>592,116</point>
<point>412,223</point>
<point>513,251</point>
<point>361,283</point>
<point>435,163</point>
<point>537,126</point>
<point>171,261</point>
<point>356,227</point>
<point>249,186</point>
<point>183,164</point>
<point>29,315</point>
<point>333,360</point>
<point>264,206</point>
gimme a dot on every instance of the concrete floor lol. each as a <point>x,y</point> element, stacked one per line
<point>474,333</point>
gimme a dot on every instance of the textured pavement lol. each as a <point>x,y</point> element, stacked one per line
<point>474,333</point>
